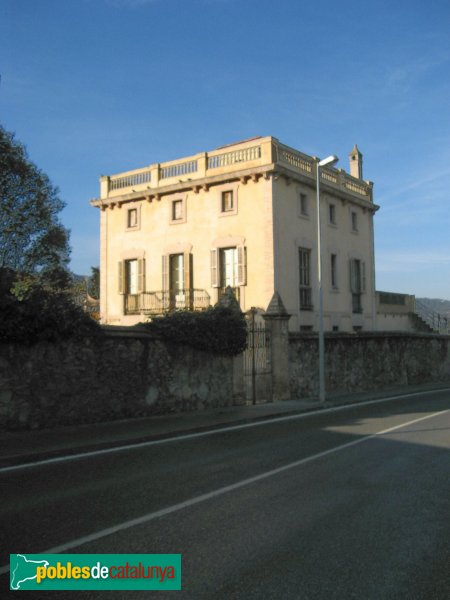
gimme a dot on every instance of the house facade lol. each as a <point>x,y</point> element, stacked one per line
<point>174,235</point>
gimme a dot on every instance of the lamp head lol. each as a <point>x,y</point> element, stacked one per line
<point>330,160</point>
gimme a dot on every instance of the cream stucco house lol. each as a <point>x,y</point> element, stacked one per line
<point>175,234</point>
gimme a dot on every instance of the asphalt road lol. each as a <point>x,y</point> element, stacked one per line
<point>352,503</point>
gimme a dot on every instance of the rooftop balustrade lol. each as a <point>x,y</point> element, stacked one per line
<point>265,152</point>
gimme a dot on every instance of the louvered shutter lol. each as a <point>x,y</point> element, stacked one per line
<point>353,284</point>
<point>242,265</point>
<point>188,274</point>
<point>363,276</point>
<point>122,277</point>
<point>165,273</point>
<point>141,276</point>
<point>214,268</point>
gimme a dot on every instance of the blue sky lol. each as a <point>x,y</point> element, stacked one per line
<point>97,87</point>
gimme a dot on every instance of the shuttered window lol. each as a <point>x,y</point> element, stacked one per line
<point>357,283</point>
<point>229,269</point>
<point>305,291</point>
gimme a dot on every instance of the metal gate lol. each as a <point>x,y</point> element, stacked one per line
<point>257,360</point>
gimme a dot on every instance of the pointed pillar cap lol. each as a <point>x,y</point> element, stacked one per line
<point>276,307</point>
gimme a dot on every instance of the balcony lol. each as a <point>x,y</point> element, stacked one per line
<point>162,302</point>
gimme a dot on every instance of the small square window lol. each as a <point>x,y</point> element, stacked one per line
<point>132,218</point>
<point>354,221</point>
<point>332,213</point>
<point>227,201</point>
<point>303,200</point>
<point>177,210</point>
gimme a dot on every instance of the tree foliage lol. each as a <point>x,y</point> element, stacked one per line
<point>30,311</point>
<point>93,283</point>
<point>35,283</point>
<point>32,240</point>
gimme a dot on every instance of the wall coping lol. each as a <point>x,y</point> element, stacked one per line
<point>128,331</point>
<point>293,336</point>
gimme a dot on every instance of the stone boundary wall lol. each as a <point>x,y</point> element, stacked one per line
<point>117,375</point>
<point>367,361</point>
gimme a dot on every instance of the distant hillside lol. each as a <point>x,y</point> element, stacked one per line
<point>440,306</point>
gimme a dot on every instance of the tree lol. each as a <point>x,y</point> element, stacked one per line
<point>35,299</point>
<point>93,283</point>
<point>32,239</point>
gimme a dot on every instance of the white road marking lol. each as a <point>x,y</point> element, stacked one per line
<point>199,434</point>
<point>219,492</point>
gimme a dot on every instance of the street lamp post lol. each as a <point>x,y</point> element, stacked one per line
<point>330,160</point>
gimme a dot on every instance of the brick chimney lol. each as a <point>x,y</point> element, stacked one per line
<point>356,162</point>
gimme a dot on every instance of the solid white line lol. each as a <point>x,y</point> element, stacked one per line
<point>199,434</point>
<point>219,492</point>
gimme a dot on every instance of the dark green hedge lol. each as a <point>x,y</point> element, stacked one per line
<point>220,330</point>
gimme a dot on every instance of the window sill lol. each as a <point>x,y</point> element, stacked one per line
<point>228,213</point>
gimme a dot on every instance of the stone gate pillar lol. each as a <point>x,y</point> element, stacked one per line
<point>276,318</point>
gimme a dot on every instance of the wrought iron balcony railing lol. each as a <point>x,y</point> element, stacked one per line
<point>160,302</point>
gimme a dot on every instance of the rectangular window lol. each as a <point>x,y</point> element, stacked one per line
<point>333,265</point>
<point>332,213</point>
<point>177,210</point>
<point>229,269</point>
<point>357,283</point>
<point>132,283</point>
<point>132,218</point>
<point>227,201</point>
<point>304,260</point>
<point>176,281</point>
<point>177,275</point>
<point>131,276</point>
<point>303,205</point>
<point>354,221</point>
